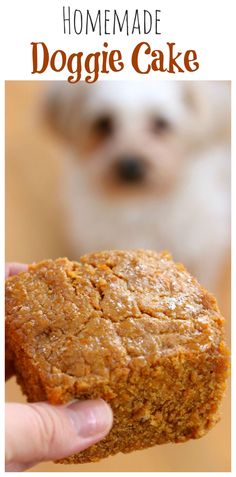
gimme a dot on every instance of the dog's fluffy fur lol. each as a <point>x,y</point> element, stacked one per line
<point>180,132</point>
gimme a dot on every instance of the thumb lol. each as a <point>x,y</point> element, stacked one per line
<point>39,432</point>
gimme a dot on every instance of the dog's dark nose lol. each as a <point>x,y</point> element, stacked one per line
<point>130,169</point>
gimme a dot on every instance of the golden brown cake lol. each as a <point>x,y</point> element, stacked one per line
<point>131,327</point>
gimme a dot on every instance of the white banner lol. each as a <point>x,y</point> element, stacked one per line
<point>178,39</point>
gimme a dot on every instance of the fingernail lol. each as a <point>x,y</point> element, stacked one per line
<point>90,418</point>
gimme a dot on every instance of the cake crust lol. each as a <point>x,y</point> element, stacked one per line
<point>131,327</point>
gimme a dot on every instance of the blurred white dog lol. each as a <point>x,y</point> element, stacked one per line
<point>147,165</point>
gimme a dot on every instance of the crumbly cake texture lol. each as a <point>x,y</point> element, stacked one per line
<point>131,327</point>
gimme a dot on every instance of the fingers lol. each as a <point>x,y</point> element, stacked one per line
<point>41,432</point>
<point>14,268</point>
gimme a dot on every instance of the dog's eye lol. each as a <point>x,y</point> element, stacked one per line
<point>161,125</point>
<point>103,125</point>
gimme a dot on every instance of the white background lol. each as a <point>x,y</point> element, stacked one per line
<point>204,25</point>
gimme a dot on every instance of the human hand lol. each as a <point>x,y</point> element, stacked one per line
<point>41,432</point>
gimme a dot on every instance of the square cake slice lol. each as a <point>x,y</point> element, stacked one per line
<point>131,327</point>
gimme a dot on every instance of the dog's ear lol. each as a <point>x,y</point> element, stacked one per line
<point>193,97</point>
<point>61,108</point>
<point>208,103</point>
<point>218,96</point>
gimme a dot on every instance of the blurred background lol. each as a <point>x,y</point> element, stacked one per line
<point>34,223</point>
